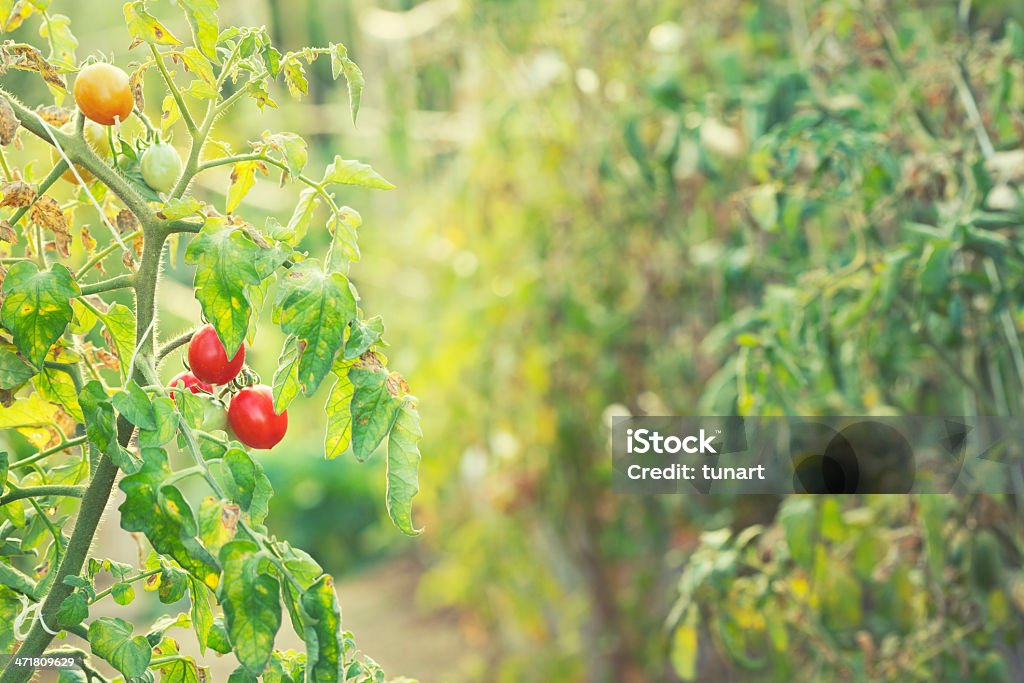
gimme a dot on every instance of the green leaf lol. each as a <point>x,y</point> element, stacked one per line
<point>403,467</point>
<point>339,416</point>
<point>180,207</point>
<point>202,17</point>
<point>303,214</point>
<point>165,418</point>
<point>57,32</point>
<point>341,64</point>
<point>291,147</point>
<point>14,371</point>
<point>316,307</point>
<point>373,409</point>
<point>165,517</point>
<point>100,426</point>
<point>303,568</point>
<point>183,670</point>
<point>56,386</point>
<point>344,226</point>
<point>286,378</point>
<point>363,335</point>
<point>201,613</point>
<point>240,675</point>
<point>111,639</point>
<point>123,593</point>
<point>346,172</point>
<point>73,610</point>
<point>120,323</point>
<point>244,482</point>
<point>228,260</point>
<point>252,609</point>
<point>37,307</point>
<point>134,404</point>
<point>144,26</point>
<point>324,647</point>
<point>217,639</point>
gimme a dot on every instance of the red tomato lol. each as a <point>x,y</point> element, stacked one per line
<point>253,420</point>
<point>103,93</point>
<point>191,382</point>
<point>209,361</point>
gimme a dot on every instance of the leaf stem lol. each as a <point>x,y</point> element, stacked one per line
<point>138,577</point>
<point>39,491</point>
<point>186,115</point>
<point>175,343</point>
<point>120,282</point>
<point>62,446</point>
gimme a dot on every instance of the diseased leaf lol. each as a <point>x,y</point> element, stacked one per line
<point>363,335</point>
<point>373,409</point>
<point>57,387</point>
<point>101,428</point>
<point>303,214</point>
<point>14,371</point>
<point>37,307</point>
<point>243,177</point>
<point>201,614</point>
<point>286,378</point>
<point>144,26</point>
<point>119,322</point>
<point>316,307</point>
<point>228,260</point>
<point>244,482</point>
<point>339,416</point>
<point>252,610</point>
<point>347,172</point>
<point>165,517</point>
<point>403,467</point>
<point>324,646</point>
<point>344,225</point>
<point>291,147</point>
<point>341,64</point>
<point>57,32</point>
<point>111,639</point>
<point>202,17</point>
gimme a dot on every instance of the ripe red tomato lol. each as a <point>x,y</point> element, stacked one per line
<point>253,420</point>
<point>209,361</point>
<point>103,93</point>
<point>189,381</point>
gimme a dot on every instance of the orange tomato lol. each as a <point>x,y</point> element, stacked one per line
<point>103,94</point>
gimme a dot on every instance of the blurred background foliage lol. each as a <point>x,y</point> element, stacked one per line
<point>669,207</point>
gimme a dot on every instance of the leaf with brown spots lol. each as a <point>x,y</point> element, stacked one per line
<point>29,58</point>
<point>126,221</point>
<point>47,214</point>
<point>8,122</point>
<point>135,82</point>
<point>17,193</point>
<point>7,232</point>
<point>88,241</point>
<point>54,115</point>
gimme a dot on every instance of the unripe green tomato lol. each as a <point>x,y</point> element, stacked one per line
<point>161,167</point>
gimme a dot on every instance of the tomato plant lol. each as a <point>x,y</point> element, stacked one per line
<point>209,361</point>
<point>253,419</point>
<point>79,369</point>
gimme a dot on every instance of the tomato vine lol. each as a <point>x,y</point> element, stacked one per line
<point>79,373</point>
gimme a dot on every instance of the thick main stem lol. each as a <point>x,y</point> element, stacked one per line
<point>96,496</point>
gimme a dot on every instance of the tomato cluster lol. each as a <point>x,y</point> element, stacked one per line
<point>103,93</point>
<point>251,412</point>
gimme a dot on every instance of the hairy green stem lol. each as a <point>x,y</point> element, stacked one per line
<point>63,446</point>
<point>119,282</point>
<point>138,577</point>
<point>39,491</point>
